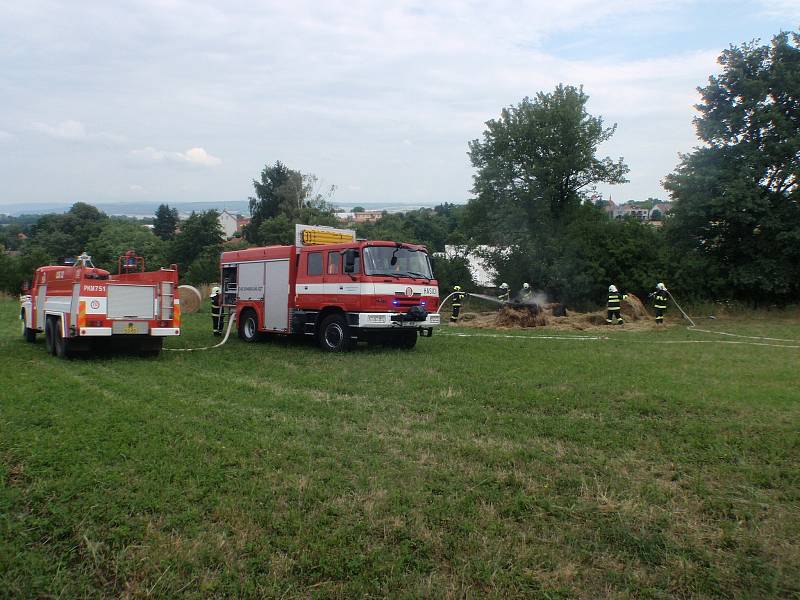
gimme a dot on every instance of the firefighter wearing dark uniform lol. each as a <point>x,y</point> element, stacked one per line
<point>505,293</point>
<point>614,307</point>
<point>660,302</point>
<point>217,318</point>
<point>457,298</point>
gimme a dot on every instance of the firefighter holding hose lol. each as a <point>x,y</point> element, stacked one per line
<point>614,307</point>
<point>659,296</point>
<point>217,318</point>
<point>458,296</point>
<point>505,293</point>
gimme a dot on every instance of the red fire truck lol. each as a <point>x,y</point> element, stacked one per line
<point>78,304</point>
<point>335,288</point>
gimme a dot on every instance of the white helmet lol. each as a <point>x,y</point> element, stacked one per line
<point>661,286</point>
<point>612,288</point>
<point>525,286</point>
<point>503,286</point>
<point>215,290</point>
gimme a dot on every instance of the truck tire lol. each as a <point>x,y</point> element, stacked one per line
<point>151,347</point>
<point>49,336</point>
<point>248,326</point>
<point>61,344</point>
<point>334,334</point>
<point>28,334</point>
<point>407,339</point>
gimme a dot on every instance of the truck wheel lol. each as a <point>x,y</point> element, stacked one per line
<point>248,326</point>
<point>151,347</point>
<point>49,336</point>
<point>407,339</point>
<point>61,344</point>
<point>28,334</point>
<point>334,334</point>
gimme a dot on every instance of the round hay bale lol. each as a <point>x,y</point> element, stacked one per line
<point>633,308</point>
<point>191,300</point>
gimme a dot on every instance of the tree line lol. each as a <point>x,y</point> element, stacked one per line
<point>733,233</point>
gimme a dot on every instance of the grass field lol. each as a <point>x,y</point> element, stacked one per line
<point>469,467</point>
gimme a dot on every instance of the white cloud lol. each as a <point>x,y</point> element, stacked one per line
<point>4,135</point>
<point>351,91</point>
<point>199,156</point>
<point>66,130</point>
<point>194,156</point>
<point>136,188</point>
<point>75,131</point>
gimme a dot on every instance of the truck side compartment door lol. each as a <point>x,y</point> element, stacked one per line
<point>276,295</point>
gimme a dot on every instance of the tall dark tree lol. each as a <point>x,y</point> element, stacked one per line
<point>166,222</point>
<point>537,163</point>
<point>736,221</point>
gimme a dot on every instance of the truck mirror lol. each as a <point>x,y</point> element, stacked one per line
<point>350,260</point>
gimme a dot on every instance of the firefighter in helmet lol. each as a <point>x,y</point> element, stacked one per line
<point>217,318</point>
<point>458,296</point>
<point>659,296</point>
<point>526,295</point>
<point>614,308</point>
<point>505,293</point>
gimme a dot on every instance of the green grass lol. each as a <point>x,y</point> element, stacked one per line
<point>469,467</point>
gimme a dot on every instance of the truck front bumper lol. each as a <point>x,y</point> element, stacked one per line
<point>384,321</point>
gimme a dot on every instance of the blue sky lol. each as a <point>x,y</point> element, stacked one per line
<point>179,100</point>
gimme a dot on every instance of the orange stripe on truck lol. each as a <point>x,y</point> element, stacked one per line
<point>82,313</point>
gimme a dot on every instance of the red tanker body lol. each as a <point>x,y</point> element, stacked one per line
<point>74,305</point>
<point>340,292</point>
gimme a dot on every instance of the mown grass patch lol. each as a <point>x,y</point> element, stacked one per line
<point>471,466</point>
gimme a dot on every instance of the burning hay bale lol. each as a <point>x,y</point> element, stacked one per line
<point>521,315</point>
<point>634,309</point>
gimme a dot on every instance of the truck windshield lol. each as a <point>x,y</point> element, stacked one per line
<point>396,262</point>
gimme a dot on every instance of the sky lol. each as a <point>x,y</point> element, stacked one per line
<point>180,101</point>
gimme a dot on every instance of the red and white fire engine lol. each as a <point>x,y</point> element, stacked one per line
<point>336,288</point>
<point>78,303</point>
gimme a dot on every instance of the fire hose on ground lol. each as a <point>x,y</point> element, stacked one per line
<point>231,321</point>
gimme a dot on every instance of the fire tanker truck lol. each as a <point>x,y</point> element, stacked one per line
<point>76,305</point>
<point>333,287</point>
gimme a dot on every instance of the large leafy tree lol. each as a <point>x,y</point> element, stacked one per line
<point>199,234</point>
<point>290,194</point>
<point>117,236</point>
<point>536,163</point>
<point>536,166</point>
<point>65,235</point>
<point>736,222</point>
<point>285,197</point>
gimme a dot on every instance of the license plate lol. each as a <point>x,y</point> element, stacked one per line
<point>130,327</point>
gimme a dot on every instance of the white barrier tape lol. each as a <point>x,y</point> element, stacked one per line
<point>615,339</point>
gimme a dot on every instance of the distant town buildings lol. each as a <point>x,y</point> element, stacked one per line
<point>232,223</point>
<point>366,216</point>
<point>646,211</point>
